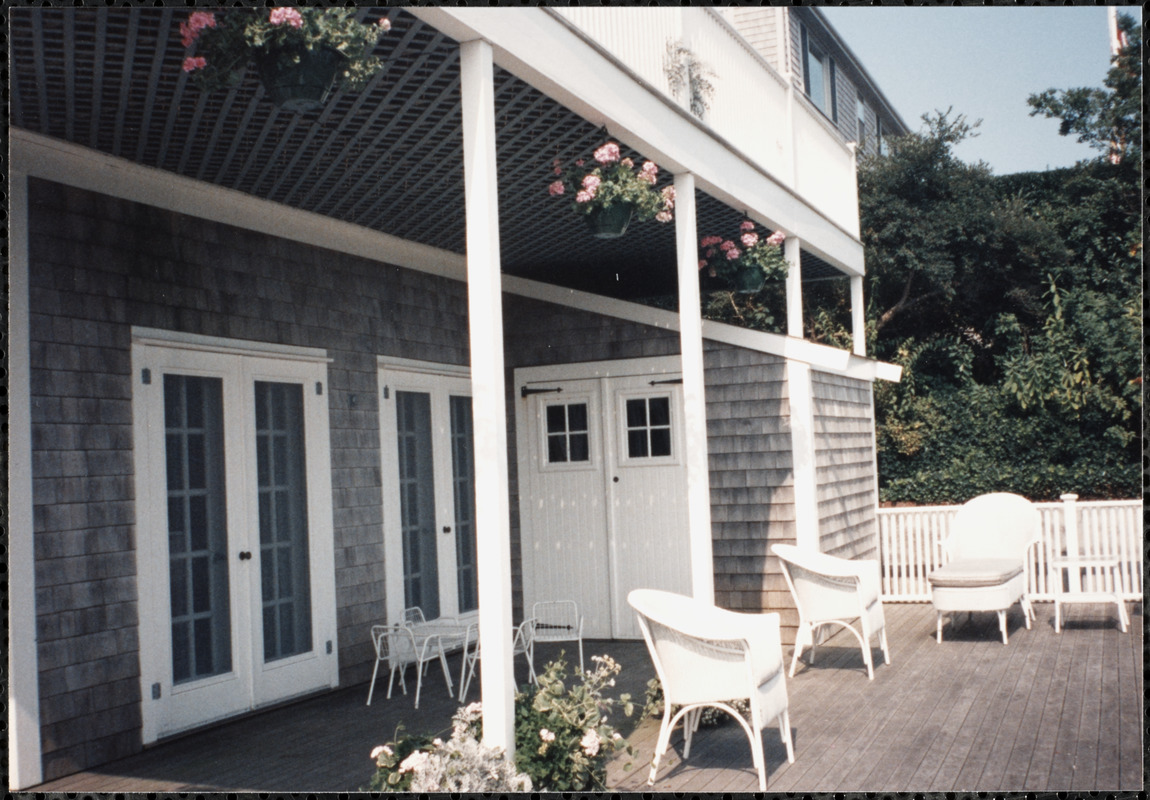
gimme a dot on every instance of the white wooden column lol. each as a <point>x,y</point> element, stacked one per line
<point>791,249</point>
<point>24,767</point>
<point>488,397</point>
<point>858,316</point>
<point>694,399</point>
<point>800,397</point>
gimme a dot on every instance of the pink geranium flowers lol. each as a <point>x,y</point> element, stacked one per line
<point>286,16</point>
<point>191,27</point>
<point>758,259</point>
<point>610,179</point>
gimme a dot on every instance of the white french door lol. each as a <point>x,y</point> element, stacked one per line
<point>234,532</point>
<point>428,469</point>
<point>602,487</point>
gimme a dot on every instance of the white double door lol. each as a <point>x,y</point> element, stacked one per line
<point>428,471</point>
<point>603,507</point>
<point>234,531</point>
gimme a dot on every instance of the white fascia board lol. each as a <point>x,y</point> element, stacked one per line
<point>544,51</point>
<point>43,157</point>
<point>819,356</point>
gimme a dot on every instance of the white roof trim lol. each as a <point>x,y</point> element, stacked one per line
<point>43,157</point>
<point>220,344</point>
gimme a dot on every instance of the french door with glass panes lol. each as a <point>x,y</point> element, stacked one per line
<point>428,471</point>
<point>235,532</point>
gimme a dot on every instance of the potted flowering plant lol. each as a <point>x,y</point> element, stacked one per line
<point>299,52</point>
<point>612,191</point>
<point>744,264</point>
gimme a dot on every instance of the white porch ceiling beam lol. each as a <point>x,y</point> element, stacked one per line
<point>694,392</point>
<point>488,398</point>
<point>544,51</point>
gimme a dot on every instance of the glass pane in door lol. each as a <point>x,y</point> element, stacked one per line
<point>282,492</point>
<point>197,528</point>
<point>417,502</point>
<point>463,481</point>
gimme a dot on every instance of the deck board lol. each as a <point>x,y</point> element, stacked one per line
<point>1048,712</point>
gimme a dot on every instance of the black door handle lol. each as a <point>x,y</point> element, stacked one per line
<point>245,555</point>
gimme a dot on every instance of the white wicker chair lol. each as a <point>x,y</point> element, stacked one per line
<point>559,621</point>
<point>987,550</point>
<point>833,591</point>
<point>707,656</point>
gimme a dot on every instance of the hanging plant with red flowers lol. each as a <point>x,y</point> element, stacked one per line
<point>221,44</point>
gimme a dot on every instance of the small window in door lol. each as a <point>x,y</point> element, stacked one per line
<point>649,427</point>
<point>567,434</point>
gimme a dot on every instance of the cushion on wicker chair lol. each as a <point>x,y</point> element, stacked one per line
<point>972,572</point>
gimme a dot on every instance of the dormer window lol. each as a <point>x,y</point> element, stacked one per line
<point>819,76</point>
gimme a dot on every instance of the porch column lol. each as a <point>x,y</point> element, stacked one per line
<point>694,400</point>
<point>24,768</point>
<point>488,398</point>
<point>791,250</point>
<point>858,316</point>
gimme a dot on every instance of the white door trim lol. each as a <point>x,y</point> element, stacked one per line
<point>273,682</point>
<point>403,374</point>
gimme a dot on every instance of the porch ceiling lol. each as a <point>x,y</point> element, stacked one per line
<point>388,158</point>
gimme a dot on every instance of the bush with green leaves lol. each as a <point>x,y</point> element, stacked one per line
<point>563,741</point>
<point>711,717</point>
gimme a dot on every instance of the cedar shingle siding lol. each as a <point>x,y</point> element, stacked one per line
<point>845,466</point>
<point>751,473</point>
<point>99,265</point>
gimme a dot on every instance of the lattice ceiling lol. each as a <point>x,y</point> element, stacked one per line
<point>388,158</point>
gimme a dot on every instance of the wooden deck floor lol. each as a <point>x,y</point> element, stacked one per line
<point>1047,713</point>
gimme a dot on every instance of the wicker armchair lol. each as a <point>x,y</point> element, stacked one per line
<point>707,656</point>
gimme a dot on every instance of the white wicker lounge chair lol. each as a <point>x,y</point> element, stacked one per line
<point>707,656</point>
<point>986,553</point>
<point>833,591</point>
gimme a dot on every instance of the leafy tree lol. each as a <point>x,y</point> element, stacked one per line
<point>1012,304</point>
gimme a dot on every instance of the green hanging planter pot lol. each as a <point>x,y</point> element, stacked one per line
<point>749,280</point>
<point>610,222</point>
<point>299,79</point>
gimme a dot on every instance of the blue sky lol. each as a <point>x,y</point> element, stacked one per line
<point>984,62</point>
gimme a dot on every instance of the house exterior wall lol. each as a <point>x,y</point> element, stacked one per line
<point>752,486</point>
<point>98,266</point>
<point>845,466</point>
<point>760,27</point>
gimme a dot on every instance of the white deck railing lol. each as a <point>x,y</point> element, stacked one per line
<point>909,540</point>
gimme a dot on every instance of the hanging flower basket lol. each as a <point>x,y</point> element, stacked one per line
<point>612,191</point>
<point>745,263</point>
<point>610,222</point>
<point>299,79</point>
<point>300,54</point>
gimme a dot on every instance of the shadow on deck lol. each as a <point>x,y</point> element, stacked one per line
<point>1048,712</point>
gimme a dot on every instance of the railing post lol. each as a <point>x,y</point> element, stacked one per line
<point>1070,525</point>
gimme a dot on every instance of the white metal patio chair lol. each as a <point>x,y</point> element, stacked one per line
<point>708,656</point>
<point>401,646</point>
<point>522,643</point>
<point>987,550</point>
<point>833,591</point>
<point>559,621</point>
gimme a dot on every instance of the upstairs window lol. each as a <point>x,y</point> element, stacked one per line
<point>862,124</point>
<point>819,76</point>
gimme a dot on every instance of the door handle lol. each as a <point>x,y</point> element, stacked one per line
<point>245,555</point>
<point>447,529</point>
